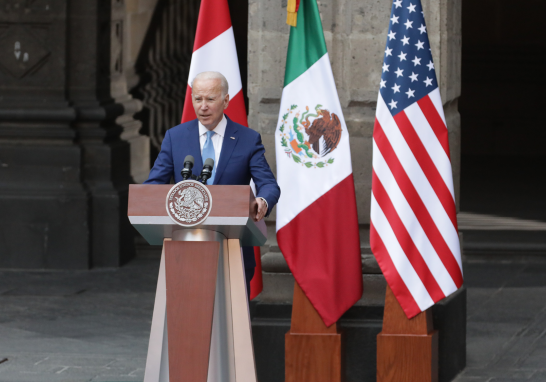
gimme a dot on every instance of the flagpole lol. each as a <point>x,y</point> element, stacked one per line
<point>407,349</point>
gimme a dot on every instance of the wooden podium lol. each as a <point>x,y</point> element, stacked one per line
<point>201,324</point>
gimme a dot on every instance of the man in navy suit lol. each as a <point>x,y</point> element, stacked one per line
<point>237,151</point>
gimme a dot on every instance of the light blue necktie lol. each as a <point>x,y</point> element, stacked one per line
<point>208,152</point>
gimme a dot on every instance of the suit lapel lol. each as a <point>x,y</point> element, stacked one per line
<point>227,148</point>
<point>194,148</point>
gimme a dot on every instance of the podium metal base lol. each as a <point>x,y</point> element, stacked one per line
<point>201,324</point>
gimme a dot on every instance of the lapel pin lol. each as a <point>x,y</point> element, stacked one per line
<point>232,137</point>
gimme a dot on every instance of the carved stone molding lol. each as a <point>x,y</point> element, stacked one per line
<point>20,51</point>
<point>163,66</point>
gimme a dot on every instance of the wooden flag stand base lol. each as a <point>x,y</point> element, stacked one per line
<point>407,350</point>
<point>312,350</point>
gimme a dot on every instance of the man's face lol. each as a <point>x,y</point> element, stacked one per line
<point>208,103</point>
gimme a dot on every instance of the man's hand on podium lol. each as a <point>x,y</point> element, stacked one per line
<point>261,209</point>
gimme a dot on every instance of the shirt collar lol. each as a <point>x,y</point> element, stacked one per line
<point>220,129</point>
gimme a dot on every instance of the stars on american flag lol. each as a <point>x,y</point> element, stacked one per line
<point>408,72</point>
<point>392,104</point>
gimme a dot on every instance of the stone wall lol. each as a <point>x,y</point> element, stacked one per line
<point>69,145</point>
<point>355,33</point>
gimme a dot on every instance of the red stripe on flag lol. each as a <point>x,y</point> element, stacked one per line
<point>435,121</point>
<point>405,240</point>
<point>417,205</point>
<point>257,282</point>
<point>214,19</point>
<point>236,110</point>
<point>188,114</point>
<point>332,277</point>
<point>427,165</point>
<point>398,286</point>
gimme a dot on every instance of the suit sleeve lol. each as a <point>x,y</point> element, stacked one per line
<point>266,184</point>
<point>163,168</point>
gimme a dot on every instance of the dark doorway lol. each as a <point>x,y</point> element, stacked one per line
<point>503,132</point>
<point>239,19</point>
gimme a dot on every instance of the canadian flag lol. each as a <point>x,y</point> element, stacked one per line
<point>214,50</point>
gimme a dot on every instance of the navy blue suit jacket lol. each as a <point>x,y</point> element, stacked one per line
<point>241,159</point>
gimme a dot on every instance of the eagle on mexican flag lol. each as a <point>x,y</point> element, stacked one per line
<point>317,221</point>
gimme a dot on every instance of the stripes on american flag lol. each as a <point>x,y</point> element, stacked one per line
<point>413,217</point>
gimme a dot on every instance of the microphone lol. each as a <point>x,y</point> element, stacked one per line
<point>188,165</point>
<point>207,170</point>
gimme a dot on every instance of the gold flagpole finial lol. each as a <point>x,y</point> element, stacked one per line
<point>292,14</point>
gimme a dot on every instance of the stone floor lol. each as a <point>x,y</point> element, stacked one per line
<point>506,327</point>
<point>94,325</point>
<point>76,326</point>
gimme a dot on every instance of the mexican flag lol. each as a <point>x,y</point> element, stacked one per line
<point>317,223</point>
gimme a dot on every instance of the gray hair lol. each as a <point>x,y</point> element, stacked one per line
<point>213,76</point>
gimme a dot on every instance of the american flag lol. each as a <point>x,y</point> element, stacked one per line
<point>413,231</point>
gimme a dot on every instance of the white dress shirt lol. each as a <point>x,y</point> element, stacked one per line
<point>217,141</point>
<point>217,138</point>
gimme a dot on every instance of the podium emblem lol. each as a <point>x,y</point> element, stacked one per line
<point>188,203</point>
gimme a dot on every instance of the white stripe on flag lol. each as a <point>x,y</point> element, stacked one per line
<point>398,257</point>
<point>301,186</point>
<point>206,59</point>
<point>432,144</point>
<point>437,101</point>
<point>418,178</point>
<point>410,221</point>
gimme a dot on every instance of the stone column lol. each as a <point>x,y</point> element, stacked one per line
<point>44,221</point>
<point>66,135</point>
<point>106,130</point>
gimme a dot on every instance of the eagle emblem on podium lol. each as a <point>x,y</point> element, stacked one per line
<point>188,203</point>
<point>309,138</point>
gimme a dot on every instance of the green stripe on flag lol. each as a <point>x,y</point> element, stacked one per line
<point>306,45</point>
